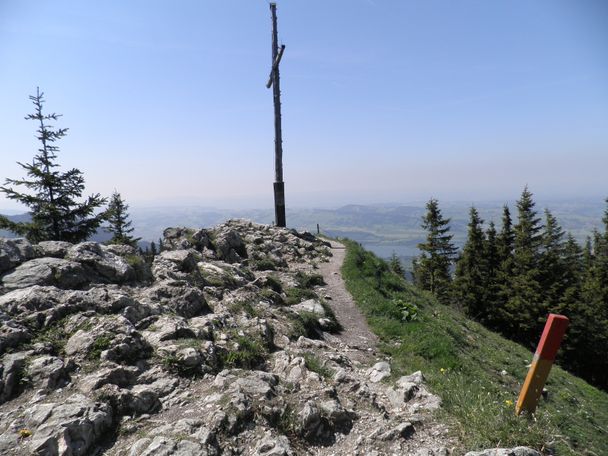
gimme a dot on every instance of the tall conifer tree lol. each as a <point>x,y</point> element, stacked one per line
<point>469,281</point>
<point>52,197</point>
<point>522,310</point>
<point>432,267</point>
<point>492,264</point>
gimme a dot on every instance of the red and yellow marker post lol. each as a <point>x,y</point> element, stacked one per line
<point>554,331</point>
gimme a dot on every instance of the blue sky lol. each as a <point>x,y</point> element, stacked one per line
<point>382,100</point>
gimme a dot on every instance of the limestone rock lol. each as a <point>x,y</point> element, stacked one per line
<point>178,297</point>
<point>14,252</point>
<point>274,446</point>
<point>309,306</point>
<point>379,371</point>
<point>56,249</point>
<point>72,427</point>
<point>45,271</point>
<point>518,451</point>
<point>100,263</point>
<point>230,246</point>
<point>48,372</point>
<point>12,333</point>
<point>11,373</point>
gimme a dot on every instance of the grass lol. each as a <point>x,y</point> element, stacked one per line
<point>308,281</point>
<point>100,344</point>
<point>476,372</point>
<point>264,264</point>
<point>304,324</point>
<point>314,364</point>
<point>250,353</point>
<point>297,295</point>
<point>245,307</point>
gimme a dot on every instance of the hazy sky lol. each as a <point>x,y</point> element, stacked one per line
<point>382,100</point>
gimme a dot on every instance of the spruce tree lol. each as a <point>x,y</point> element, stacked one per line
<point>552,263</point>
<point>506,239</point>
<point>55,213</point>
<point>432,267</point>
<point>523,310</point>
<point>505,242</point>
<point>396,266</point>
<point>492,264</point>
<point>118,221</point>
<point>469,281</point>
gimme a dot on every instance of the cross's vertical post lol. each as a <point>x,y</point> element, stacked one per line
<point>554,331</point>
<point>279,185</point>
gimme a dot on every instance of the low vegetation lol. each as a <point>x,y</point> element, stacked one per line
<point>314,364</point>
<point>477,372</point>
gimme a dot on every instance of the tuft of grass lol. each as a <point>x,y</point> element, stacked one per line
<point>250,353</point>
<point>297,295</point>
<point>54,335</point>
<point>268,294</point>
<point>245,307</point>
<point>476,372</point>
<point>100,344</point>
<point>264,264</point>
<point>308,281</point>
<point>304,324</point>
<point>314,364</point>
<point>274,283</point>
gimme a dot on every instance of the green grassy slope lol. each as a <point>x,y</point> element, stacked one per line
<point>477,372</point>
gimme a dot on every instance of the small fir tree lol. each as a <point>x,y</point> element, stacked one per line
<point>52,197</point>
<point>395,265</point>
<point>469,281</point>
<point>118,221</point>
<point>432,267</point>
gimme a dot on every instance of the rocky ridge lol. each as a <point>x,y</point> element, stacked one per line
<point>225,345</point>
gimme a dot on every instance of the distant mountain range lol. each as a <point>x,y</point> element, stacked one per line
<point>382,228</point>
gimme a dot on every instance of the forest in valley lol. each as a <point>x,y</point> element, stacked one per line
<point>510,277</point>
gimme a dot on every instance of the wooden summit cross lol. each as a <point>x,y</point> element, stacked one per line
<point>273,80</point>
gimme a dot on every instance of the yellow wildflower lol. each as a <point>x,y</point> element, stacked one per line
<point>24,433</point>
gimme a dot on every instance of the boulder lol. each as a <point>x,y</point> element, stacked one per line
<point>108,373</point>
<point>11,373</point>
<point>14,252</point>
<point>274,446</point>
<point>166,446</point>
<point>111,338</point>
<point>12,333</point>
<point>71,427</point>
<point>167,327</point>
<point>100,263</point>
<point>186,238</point>
<point>379,371</point>
<point>45,271</point>
<point>57,249</point>
<point>309,306</point>
<point>178,297</point>
<point>229,246</point>
<point>48,372</point>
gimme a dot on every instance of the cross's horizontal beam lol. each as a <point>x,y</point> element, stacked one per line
<point>275,65</point>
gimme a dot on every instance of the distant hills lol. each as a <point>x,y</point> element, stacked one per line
<point>382,228</point>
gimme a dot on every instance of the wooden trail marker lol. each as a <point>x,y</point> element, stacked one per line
<point>274,81</point>
<point>554,331</point>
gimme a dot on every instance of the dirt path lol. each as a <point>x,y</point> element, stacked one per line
<point>356,334</point>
